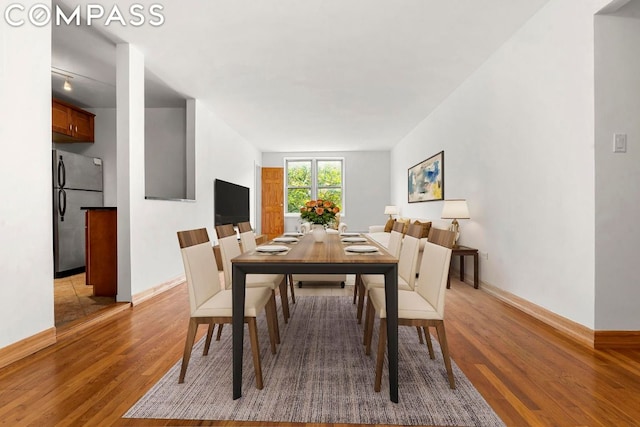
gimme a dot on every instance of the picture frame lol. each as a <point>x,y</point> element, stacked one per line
<point>425,180</point>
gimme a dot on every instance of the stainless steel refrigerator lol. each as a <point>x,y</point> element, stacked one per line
<point>77,183</point>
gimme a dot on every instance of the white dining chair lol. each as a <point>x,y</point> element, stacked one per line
<point>210,304</point>
<point>407,267</point>
<point>248,241</point>
<point>446,238</point>
<point>229,249</point>
<point>393,247</point>
<point>422,307</point>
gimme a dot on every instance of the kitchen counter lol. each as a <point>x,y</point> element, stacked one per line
<point>101,236</point>
<point>101,208</point>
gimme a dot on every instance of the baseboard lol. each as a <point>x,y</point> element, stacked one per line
<point>72,329</point>
<point>156,290</point>
<point>579,333</point>
<point>616,339</point>
<point>23,348</point>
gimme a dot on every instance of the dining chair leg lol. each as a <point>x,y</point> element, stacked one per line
<point>442,338</point>
<point>284,299</point>
<point>368,327</point>
<point>292,289</point>
<point>419,334</point>
<point>361,295</point>
<point>355,288</point>
<point>188,345</point>
<point>382,346</point>
<point>219,334</point>
<point>272,319</point>
<point>207,342</point>
<point>427,336</point>
<point>255,351</point>
<point>277,324</point>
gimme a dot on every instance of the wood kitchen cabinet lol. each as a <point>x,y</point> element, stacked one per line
<point>70,123</point>
<point>101,254</point>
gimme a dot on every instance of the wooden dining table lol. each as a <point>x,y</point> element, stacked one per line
<point>306,256</point>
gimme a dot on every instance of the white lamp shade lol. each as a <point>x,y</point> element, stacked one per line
<point>391,210</point>
<point>455,209</point>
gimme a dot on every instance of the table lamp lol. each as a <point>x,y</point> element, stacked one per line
<point>455,209</point>
<point>391,210</point>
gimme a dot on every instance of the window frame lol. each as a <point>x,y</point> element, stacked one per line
<point>314,181</point>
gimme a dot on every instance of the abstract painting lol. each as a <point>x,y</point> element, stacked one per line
<point>426,180</point>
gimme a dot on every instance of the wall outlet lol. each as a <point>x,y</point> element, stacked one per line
<point>484,255</point>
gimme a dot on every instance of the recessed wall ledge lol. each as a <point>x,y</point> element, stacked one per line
<point>168,199</point>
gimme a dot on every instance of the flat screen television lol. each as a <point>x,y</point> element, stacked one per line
<point>231,203</point>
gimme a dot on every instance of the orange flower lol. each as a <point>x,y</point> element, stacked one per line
<point>319,211</point>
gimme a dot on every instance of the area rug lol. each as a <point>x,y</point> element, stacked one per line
<point>320,374</point>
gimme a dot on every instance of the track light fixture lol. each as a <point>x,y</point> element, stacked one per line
<point>67,83</point>
<point>83,80</point>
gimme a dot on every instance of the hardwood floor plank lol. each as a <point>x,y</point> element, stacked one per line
<point>529,373</point>
<point>528,416</point>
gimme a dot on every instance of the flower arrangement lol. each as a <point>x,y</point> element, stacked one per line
<point>319,211</point>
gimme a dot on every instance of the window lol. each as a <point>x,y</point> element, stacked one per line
<point>309,179</point>
<point>299,188</point>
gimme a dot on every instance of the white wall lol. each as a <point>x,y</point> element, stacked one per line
<point>147,229</point>
<point>165,153</point>
<point>617,193</point>
<point>130,157</point>
<point>26,256</point>
<point>366,186</point>
<point>105,146</point>
<point>155,255</point>
<point>518,138</point>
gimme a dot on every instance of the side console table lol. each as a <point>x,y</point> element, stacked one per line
<point>463,251</point>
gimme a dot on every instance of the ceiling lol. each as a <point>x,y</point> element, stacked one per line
<point>312,75</point>
<point>87,57</point>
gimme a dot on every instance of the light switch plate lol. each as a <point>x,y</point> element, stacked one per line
<point>620,143</point>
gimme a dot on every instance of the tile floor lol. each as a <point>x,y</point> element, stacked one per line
<point>73,299</point>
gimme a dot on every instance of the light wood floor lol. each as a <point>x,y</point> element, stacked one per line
<point>529,374</point>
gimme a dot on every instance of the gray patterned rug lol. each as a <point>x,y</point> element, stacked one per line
<point>319,375</point>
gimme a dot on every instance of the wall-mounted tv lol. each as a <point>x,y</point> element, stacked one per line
<point>231,203</point>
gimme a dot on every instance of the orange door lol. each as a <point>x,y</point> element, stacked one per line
<point>272,202</point>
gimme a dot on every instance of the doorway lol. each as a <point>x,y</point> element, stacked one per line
<point>272,202</point>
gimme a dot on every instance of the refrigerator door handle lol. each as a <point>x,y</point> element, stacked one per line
<point>62,173</point>
<point>62,203</point>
